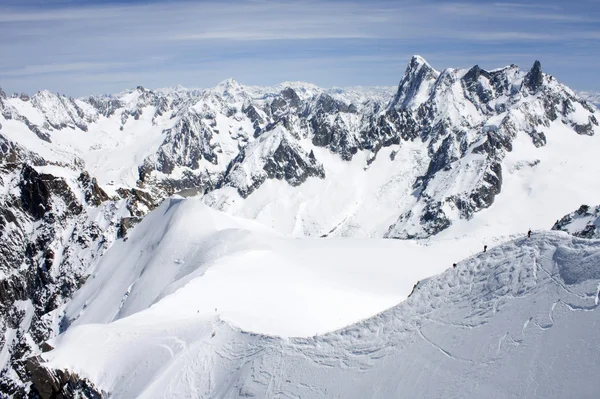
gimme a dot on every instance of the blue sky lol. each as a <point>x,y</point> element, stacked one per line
<point>81,47</point>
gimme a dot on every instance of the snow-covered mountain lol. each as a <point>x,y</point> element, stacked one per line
<point>448,160</point>
<point>424,157</point>
<point>189,318</point>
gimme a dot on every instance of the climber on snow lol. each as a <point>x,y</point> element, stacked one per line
<point>484,248</point>
<point>529,233</point>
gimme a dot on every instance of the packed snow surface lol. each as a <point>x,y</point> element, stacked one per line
<point>193,261</point>
<point>518,321</point>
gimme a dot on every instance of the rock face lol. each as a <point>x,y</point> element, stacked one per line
<point>63,384</point>
<point>274,155</point>
<point>584,222</point>
<point>52,230</point>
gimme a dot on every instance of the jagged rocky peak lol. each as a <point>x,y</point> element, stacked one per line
<point>534,78</point>
<point>274,155</point>
<point>474,73</point>
<point>291,97</point>
<point>2,94</point>
<point>481,112</point>
<point>414,88</point>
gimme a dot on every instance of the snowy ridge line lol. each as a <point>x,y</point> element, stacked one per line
<point>480,319</point>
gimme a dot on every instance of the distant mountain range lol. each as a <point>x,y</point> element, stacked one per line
<point>442,154</point>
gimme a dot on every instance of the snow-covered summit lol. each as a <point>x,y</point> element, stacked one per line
<point>416,84</point>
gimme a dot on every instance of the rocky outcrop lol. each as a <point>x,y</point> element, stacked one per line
<point>94,194</point>
<point>59,384</point>
<point>272,156</point>
<point>48,241</point>
<point>534,78</point>
<point>583,223</point>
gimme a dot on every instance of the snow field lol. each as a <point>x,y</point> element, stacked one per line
<point>518,321</point>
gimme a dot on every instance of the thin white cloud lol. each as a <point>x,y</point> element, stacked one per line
<point>61,68</point>
<point>529,5</point>
<point>515,36</point>
<point>262,36</point>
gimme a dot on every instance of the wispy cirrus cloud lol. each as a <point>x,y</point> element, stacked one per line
<point>62,68</point>
<point>77,46</point>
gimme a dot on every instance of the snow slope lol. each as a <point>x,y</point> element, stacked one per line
<point>205,264</point>
<point>518,321</point>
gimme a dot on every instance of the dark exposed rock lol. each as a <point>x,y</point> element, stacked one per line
<point>583,223</point>
<point>60,384</point>
<point>587,129</point>
<point>538,138</point>
<point>36,189</point>
<point>291,97</point>
<point>35,193</point>
<point>126,224</point>
<point>534,78</point>
<point>475,87</point>
<point>94,194</point>
<point>287,164</point>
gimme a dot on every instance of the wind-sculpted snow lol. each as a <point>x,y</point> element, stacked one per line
<point>518,321</point>
<point>259,280</point>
